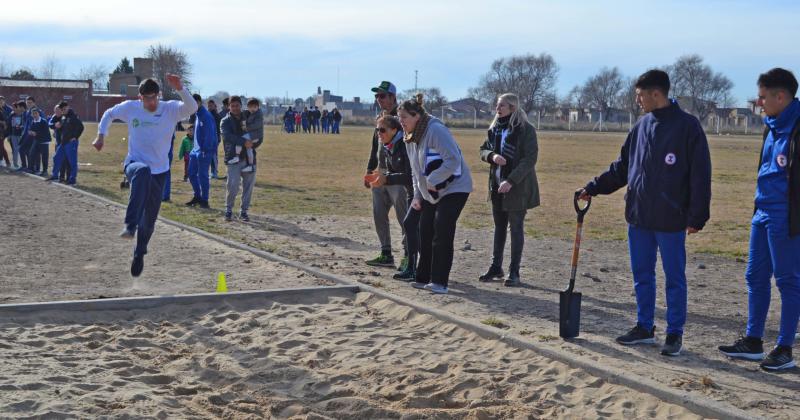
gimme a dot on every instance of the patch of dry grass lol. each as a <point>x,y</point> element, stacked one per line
<point>316,175</point>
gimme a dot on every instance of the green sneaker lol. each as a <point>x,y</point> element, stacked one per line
<point>403,264</point>
<point>382,260</point>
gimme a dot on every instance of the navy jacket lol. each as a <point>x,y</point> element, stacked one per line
<point>666,165</point>
<point>42,130</point>
<point>205,131</point>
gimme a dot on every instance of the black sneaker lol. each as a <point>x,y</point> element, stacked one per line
<point>748,348</point>
<point>638,335</point>
<point>203,204</point>
<point>672,345</point>
<point>494,272</point>
<point>512,280</point>
<point>137,265</point>
<point>778,359</point>
<point>228,216</point>
<point>244,217</point>
<point>193,202</point>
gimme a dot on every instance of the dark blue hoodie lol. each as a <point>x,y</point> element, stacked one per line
<point>772,187</point>
<point>666,165</point>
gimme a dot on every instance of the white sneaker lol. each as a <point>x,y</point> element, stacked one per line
<point>126,233</point>
<point>437,289</point>
<point>418,285</point>
<point>233,160</point>
<point>248,168</point>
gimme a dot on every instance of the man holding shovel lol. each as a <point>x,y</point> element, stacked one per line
<point>666,166</point>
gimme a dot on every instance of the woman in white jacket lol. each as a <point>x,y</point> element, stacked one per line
<point>442,184</point>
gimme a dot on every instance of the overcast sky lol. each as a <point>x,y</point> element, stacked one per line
<point>271,48</point>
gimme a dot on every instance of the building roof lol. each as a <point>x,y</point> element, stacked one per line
<point>45,83</point>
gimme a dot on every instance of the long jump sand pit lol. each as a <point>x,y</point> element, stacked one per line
<point>329,353</point>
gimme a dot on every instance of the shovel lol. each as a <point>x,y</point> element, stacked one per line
<point>570,301</point>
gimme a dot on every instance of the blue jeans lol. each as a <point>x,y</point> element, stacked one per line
<point>643,244</point>
<point>144,203</point>
<point>68,151</point>
<point>335,127</point>
<point>773,252</point>
<point>199,163</point>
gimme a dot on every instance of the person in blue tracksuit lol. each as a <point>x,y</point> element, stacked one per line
<point>71,130</point>
<point>55,124</point>
<point>40,151</point>
<point>666,165</point>
<point>324,120</point>
<point>205,146</point>
<point>775,228</point>
<point>304,120</point>
<point>288,120</point>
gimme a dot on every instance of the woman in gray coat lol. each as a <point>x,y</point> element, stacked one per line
<point>511,151</point>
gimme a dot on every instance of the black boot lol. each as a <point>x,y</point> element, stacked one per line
<point>512,280</point>
<point>494,272</point>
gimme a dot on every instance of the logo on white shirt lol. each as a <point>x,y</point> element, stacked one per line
<point>670,159</point>
<point>781,161</point>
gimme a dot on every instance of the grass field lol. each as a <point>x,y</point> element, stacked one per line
<point>321,175</point>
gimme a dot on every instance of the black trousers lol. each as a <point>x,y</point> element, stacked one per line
<point>411,230</point>
<point>502,221</point>
<point>437,231</point>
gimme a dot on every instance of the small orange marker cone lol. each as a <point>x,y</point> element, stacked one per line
<point>222,285</point>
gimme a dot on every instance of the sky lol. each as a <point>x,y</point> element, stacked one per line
<point>271,48</point>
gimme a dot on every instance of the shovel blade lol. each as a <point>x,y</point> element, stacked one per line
<point>569,314</point>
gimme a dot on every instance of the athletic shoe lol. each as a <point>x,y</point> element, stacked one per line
<point>137,265</point>
<point>383,260</point>
<point>403,264</point>
<point>193,202</point>
<point>248,168</point>
<point>127,233</point>
<point>228,216</point>
<point>672,345</point>
<point>778,359</point>
<point>418,285</point>
<point>233,160</point>
<point>244,217</point>
<point>438,289</point>
<point>494,272</point>
<point>748,348</point>
<point>203,204</point>
<point>512,280</point>
<point>638,335</point>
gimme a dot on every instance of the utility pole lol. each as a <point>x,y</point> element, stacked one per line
<point>416,76</point>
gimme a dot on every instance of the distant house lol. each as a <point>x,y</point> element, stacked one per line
<point>127,84</point>
<point>88,104</point>
<point>468,108</point>
<point>354,108</point>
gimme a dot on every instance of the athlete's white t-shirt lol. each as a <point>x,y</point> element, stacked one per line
<point>150,133</point>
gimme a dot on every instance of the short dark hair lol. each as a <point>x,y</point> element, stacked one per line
<point>149,87</point>
<point>253,101</point>
<point>235,99</point>
<point>62,104</point>
<point>197,97</point>
<point>211,101</point>
<point>778,78</point>
<point>21,104</point>
<point>226,101</point>
<point>654,79</point>
<point>391,121</point>
<point>30,98</point>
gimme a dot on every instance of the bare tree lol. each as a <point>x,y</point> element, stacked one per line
<point>51,68</point>
<point>97,73</point>
<point>433,99</point>
<point>575,98</point>
<point>167,59</point>
<point>529,76</point>
<point>602,90</point>
<point>697,82</point>
<point>627,97</point>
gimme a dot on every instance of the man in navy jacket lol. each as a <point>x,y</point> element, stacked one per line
<point>775,227</point>
<point>201,156</point>
<point>666,166</point>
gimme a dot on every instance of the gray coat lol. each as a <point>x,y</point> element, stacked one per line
<point>437,138</point>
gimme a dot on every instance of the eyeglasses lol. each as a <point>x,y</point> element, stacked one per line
<point>381,95</point>
<point>382,130</point>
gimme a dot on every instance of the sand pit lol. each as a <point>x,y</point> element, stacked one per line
<point>332,355</point>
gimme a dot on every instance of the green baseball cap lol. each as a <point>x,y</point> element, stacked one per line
<point>386,87</point>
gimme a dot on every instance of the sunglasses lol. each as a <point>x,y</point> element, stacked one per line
<point>381,95</point>
<point>382,130</point>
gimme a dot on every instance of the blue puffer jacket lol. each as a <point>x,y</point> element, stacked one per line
<point>666,165</point>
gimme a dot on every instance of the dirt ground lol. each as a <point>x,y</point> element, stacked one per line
<point>53,260</point>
